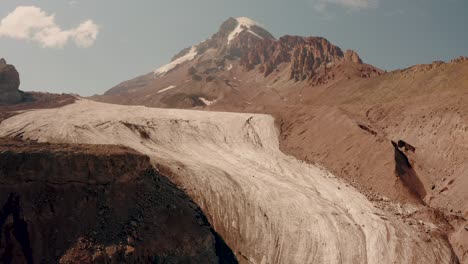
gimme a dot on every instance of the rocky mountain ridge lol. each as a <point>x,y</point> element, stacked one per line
<point>243,44</point>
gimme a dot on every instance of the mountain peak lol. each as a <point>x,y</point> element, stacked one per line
<point>241,48</point>
<point>234,34</point>
<point>234,27</point>
<point>244,39</point>
<point>246,24</point>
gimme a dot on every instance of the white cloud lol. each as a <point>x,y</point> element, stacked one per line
<point>321,5</point>
<point>85,34</point>
<point>32,23</point>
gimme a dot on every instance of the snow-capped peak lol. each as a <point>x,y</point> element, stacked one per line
<point>187,57</point>
<point>244,23</point>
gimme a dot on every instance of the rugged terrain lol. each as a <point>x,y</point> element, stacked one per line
<point>334,110</point>
<point>269,207</point>
<point>96,204</point>
<point>397,142</point>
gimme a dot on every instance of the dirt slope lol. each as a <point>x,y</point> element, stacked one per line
<point>270,208</point>
<point>348,125</point>
<point>349,130</point>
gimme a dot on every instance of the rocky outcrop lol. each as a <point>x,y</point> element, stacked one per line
<point>96,204</point>
<point>9,84</point>
<point>460,59</point>
<point>307,56</point>
<point>404,169</point>
<point>352,56</point>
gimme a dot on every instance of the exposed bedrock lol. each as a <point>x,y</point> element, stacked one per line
<point>96,204</point>
<point>404,170</point>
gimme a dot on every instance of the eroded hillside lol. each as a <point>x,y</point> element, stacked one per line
<point>78,203</point>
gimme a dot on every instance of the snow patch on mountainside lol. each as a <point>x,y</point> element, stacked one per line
<point>167,89</point>
<point>206,101</point>
<point>168,67</point>
<point>244,23</point>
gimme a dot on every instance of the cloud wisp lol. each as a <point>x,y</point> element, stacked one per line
<point>33,24</point>
<point>321,5</point>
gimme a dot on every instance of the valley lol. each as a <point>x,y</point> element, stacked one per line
<point>270,208</point>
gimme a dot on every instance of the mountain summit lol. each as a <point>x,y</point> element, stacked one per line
<point>239,61</point>
<point>234,35</point>
<point>250,26</point>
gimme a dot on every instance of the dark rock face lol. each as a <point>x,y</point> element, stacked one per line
<point>306,56</point>
<point>311,53</point>
<point>97,204</point>
<point>404,169</point>
<point>9,84</point>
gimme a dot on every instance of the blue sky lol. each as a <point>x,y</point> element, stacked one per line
<point>91,45</point>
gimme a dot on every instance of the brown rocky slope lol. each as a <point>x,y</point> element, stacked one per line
<point>96,204</point>
<point>349,126</point>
